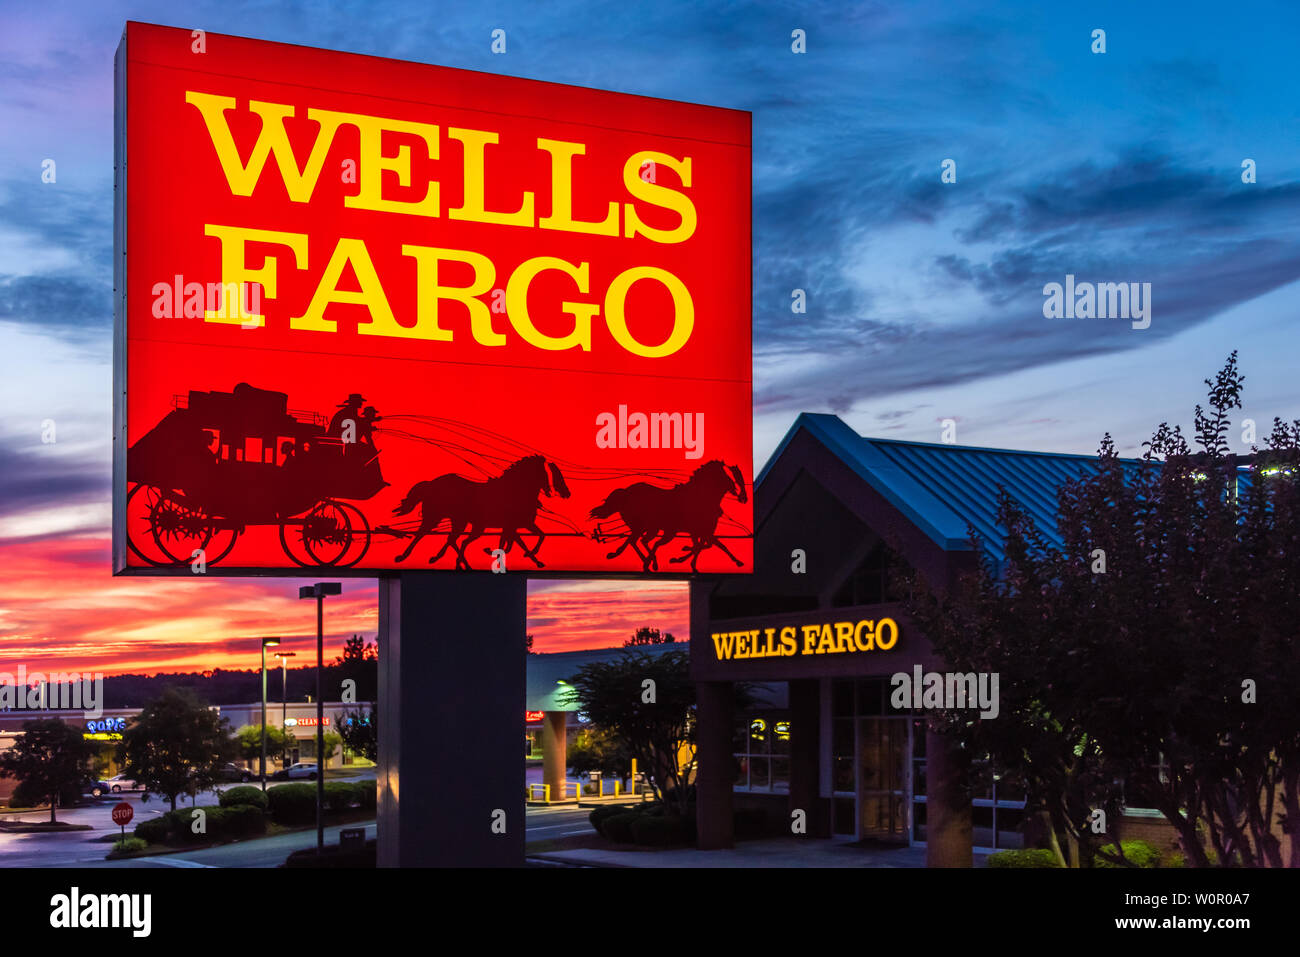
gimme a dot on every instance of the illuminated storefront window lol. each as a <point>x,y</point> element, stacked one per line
<point>761,747</point>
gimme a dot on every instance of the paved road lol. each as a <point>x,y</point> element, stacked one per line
<point>76,848</point>
<point>546,823</point>
<point>84,849</point>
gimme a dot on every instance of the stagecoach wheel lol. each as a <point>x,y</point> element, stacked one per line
<point>140,503</point>
<point>360,534</point>
<point>155,505</point>
<point>327,533</point>
<point>176,528</point>
<point>216,552</point>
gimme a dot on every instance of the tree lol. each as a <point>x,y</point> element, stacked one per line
<point>360,664</point>
<point>360,733</point>
<point>249,739</point>
<point>176,745</point>
<point>648,701</point>
<point>596,749</point>
<point>49,759</point>
<point>1150,659</point>
<point>332,741</point>
<point>649,636</point>
<point>528,644</point>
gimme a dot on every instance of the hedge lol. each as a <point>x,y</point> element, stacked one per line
<point>368,794</point>
<point>153,830</point>
<point>339,795</point>
<point>600,815</point>
<point>245,794</point>
<point>1030,857</point>
<point>292,803</point>
<point>129,845</point>
<point>618,827</point>
<point>242,820</point>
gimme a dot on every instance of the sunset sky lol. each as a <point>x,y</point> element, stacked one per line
<point>924,298</point>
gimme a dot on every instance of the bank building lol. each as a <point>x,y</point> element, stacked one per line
<point>815,634</point>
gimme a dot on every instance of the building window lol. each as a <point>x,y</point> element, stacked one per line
<point>761,748</point>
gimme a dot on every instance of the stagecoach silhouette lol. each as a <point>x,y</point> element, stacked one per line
<point>221,462</point>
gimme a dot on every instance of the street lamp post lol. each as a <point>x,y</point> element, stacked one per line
<point>319,591</point>
<point>266,642</point>
<point>284,657</point>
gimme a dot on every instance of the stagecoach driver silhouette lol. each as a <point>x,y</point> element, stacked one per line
<point>366,426</point>
<point>348,411</point>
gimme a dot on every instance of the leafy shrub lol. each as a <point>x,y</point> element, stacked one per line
<point>245,794</point>
<point>153,830</point>
<point>183,821</point>
<point>658,830</point>
<point>292,803</point>
<point>1179,859</point>
<point>339,795</point>
<point>181,825</point>
<point>368,794</point>
<point>242,820</point>
<point>1139,853</point>
<point>618,828</point>
<point>129,845</point>
<point>1030,857</point>
<point>600,815</point>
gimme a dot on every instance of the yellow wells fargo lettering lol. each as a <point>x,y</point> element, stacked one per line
<point>475,149</point>
<point>839,637</point>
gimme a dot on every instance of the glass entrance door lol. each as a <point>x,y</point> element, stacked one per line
<point>884,763</point>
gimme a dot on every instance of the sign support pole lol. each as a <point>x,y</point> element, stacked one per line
<point>452,674</point>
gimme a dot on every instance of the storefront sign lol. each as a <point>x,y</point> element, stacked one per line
<point>531,717</point>
<point>369,311</point>
<point>304,722</point>
<point>106,724</point>
<point>829,638</point>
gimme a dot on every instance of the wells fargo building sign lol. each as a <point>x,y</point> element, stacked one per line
<point>377,314</point>
<point>821,638</point>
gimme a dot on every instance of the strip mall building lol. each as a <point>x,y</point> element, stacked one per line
<point>818,618</point>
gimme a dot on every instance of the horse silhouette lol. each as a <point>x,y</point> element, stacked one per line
<point>508,501</point>
<point>692,507</point>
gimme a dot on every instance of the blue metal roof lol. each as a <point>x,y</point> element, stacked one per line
<point>944,489</point>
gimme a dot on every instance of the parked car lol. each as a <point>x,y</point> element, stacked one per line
<point>233,772</point>
<point>95,788</point>
<point>303,769</point>
<point>120,782</point>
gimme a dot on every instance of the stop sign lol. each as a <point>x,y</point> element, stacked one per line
<point>122,814</point>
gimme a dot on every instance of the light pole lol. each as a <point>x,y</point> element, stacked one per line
<point>284,657</point>
<point>319,591</point>
<point>266,642</point>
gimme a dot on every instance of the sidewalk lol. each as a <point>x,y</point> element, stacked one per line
<point>771,852</point>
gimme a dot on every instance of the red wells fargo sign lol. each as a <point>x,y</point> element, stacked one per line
<point>376,314</point>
